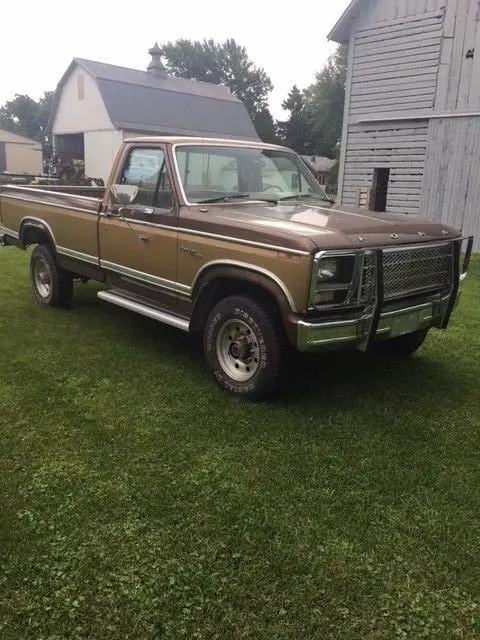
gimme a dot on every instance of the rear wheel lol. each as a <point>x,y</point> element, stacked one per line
<point>403,346</point>
<point>244,347</point>
<point>52,285</point>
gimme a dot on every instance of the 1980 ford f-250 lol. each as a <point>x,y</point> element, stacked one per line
<point>237,240</point>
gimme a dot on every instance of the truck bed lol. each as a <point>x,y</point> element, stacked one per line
<point>58,208</point>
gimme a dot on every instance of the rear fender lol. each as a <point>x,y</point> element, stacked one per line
<point>36,231</point>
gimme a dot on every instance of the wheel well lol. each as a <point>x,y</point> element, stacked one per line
<point>32,233</point>
<point>221,288</point>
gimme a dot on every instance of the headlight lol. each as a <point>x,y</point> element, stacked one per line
<point>333,279</point>
<point>327,270</point>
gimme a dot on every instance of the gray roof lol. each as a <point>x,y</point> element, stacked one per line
<point>139,101</point>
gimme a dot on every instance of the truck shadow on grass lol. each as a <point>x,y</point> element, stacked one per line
<point>344,378</point>
<point>348,374</point>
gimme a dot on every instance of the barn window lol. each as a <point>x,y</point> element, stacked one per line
<point>381,178</point>
<point>80,87</point>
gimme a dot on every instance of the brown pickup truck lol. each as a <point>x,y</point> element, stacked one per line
<point>237,240</point>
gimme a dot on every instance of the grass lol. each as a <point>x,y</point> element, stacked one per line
<point>139,502</point>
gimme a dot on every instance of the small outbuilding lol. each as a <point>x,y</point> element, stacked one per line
<point>19,154</point>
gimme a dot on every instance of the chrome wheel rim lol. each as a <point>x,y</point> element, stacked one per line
<point>43,278</point>
<point>238,350</point>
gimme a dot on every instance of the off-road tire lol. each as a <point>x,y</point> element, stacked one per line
<point>56,287</point>
<point>262,326</point>
<point>403,346</point>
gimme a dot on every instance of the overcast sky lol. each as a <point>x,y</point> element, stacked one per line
<point>39,39</point>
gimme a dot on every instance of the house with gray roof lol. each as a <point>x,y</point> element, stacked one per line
<point>98,105</point>
<point>320,166</point>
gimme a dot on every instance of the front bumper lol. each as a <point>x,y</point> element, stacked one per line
<point>316,336</point>
<point>377,322</point>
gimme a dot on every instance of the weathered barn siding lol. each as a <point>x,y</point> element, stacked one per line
<point>451,188</point>
<point>393,72</point>
<point>395,66</point>
<point>387,10</point>
<point>459,75</point>
<point>413,106</point>
<point>398,146</point>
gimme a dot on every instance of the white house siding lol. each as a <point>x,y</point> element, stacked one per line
<point>100,150</point>
<point>451,188</point>
<point>74,115</point>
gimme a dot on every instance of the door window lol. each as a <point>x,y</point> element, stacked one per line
<point>147,170</point>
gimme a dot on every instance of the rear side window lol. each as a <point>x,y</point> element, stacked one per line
<point>146,169</point>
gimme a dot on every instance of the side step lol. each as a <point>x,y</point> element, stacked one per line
<point>145,310</point>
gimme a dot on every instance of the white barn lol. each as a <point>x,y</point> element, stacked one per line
<point>97,105</point>
<point>411,136</point>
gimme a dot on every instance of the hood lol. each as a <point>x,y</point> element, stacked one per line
<point>314,227</point>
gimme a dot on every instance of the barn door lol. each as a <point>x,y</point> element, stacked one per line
<point>381,178</point>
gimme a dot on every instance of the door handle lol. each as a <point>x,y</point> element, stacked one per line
<point>148,211</point>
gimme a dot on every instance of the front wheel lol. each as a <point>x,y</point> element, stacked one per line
<point>403,346</point>
<point>52,285</point>
<point>244,347</point>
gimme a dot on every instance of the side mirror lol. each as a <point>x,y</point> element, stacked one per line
<point>123,194</point>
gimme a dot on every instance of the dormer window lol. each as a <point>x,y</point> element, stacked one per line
<point>80,87</point>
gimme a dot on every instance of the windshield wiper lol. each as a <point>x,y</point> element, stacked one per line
<point>302,196</point>
<point>237,196</point>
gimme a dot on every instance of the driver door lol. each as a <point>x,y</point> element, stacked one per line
<point>139,246</point>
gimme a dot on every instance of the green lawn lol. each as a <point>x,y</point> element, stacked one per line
<point>140,502</point>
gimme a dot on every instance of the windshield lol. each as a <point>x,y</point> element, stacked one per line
<point>214,173</point>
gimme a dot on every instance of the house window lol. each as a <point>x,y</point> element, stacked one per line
<point>80,87</point>
<point>381,178</point>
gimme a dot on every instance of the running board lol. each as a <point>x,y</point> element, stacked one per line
<point>144,310</point>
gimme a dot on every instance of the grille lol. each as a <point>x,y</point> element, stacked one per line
<point>368,281</point>
<point>410,272</point>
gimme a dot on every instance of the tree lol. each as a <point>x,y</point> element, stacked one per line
<point>225,63</point>
<point>294,132</point>
<point>27,117</point>
<point>265,126</point>
<point>324,101</point>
